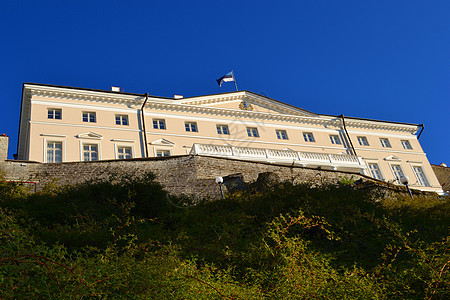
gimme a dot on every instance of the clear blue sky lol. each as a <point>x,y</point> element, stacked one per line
<point>387,60</point>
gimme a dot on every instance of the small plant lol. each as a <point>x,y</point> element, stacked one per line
<point>345,180</point>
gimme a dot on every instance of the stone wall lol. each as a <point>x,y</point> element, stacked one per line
<point>190,175</point>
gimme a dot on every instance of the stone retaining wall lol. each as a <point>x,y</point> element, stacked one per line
<point>190,175</point>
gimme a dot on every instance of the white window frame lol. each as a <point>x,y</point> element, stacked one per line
<point>406,144</point>
<point>252,132</point>
<point>393,171</point>
<point>121,119</point>
<point>54,110</point>
<point>281,134</point>
<point>155,151</point>
<point>363,138</point>
<point>117,146</point>
<point>45,140</point>
<point>220,129</point>
<point>335,139</point>
<point>385,143</point>
<point>188,124</point>
<point>89,113</point>
<point>90,143</point>
<point>427,181</point>
<point>158,124</point>
<point>379,169</point>
<point>308,137</point>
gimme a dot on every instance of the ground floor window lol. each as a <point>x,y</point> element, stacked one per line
<point>398,172</point>
<point>161,153</point>
<point>90,152</point>
<point>375,171</point>
<point>420,174</point>
<point>54,152</point>
<point>124,152</point>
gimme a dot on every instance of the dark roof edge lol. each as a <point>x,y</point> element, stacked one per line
<point>92,90</point>
<point>373,120</point>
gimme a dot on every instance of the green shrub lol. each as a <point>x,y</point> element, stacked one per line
<point>127,238</point>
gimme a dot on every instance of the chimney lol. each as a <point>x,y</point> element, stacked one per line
<point>115,88</point>
<point>4,143</point>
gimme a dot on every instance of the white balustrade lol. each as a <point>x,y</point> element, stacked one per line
<point>281,156</point>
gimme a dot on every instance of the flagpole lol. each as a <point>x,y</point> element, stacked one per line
<point>234,77</point>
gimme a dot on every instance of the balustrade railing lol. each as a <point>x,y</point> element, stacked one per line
<point>274,155</point>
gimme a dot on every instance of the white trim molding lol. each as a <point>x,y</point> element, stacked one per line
<point>123,141</point>
<point>89,135</point>
<point>162,142</point>
<point>53,135</point>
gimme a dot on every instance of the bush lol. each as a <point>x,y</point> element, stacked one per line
<point>127,237</point>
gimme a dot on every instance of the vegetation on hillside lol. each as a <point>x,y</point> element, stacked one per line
<point>129,238</point>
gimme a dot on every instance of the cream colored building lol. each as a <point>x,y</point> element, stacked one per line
<point>64,124</point>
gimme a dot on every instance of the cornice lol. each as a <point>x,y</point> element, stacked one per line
<point>316,120</point>
<point>195,105</point>
<point>171,106</point>
<point>380,125</point>
<point>82,95</point>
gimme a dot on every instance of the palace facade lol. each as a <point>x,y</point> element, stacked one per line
<point>65,124</point>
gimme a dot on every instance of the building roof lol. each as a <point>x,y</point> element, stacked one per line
<point>182,100</point>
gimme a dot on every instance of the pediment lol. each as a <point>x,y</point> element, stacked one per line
<point>247,101</point>
<point>392,158</point>
<point>90,135</point>
<point>251,105</point>
<point>162,142</point>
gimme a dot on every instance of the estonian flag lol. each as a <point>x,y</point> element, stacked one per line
<point>226,78</point>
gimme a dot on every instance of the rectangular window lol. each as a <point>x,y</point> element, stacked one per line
<point>222,129</point>
<point>362,140</point>
<point>335,139</point>
<point>421,178</point>
<point>89,116</point>
<point>308,136</point>
<point>54,152</point>
<point>385,143</point>
<point>124,153</point>
<point>252,132</point>
<point>54,113</point>
<point>159,124</point>
<point>122,120</point>
<point>191,126</point>
<point>375,171</point>
<point>406,145</point>
<point>161,153</point>
<point>90,152</point>
<point>281,134</point>
<point>398,172</point>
